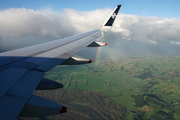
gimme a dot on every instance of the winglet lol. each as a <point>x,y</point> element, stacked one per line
<point>109,22</point>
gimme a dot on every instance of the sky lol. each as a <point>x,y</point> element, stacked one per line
<point>142,26</point>
<point>160,8</point>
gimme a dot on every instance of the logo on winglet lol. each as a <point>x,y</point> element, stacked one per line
<point>114,15</point>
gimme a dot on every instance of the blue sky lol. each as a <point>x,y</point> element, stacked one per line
<point>160,8</point>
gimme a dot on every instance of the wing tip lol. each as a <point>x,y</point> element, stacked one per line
<point>112,17</point>
<point>109,22</point>
<point>119,5</point>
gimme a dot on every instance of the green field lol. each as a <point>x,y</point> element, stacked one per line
<point>147,86</point>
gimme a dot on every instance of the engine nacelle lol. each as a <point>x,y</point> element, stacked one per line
<point>38,106</point>
<point>47,84</point>
<point>97,44</point>
<point>76,60</point>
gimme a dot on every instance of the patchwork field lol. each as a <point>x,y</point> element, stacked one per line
<point>147,86</point>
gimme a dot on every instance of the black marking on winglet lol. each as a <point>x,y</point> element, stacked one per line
<point>113,16</point>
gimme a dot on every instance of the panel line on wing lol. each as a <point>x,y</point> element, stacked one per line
<point>9,77</point>
<point>15,99</point>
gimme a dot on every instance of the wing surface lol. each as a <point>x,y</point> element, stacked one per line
<point>22,71</point>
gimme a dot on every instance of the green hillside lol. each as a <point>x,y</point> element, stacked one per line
<point>147,86</point>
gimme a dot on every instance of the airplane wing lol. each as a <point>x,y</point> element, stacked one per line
<point>22,72</point>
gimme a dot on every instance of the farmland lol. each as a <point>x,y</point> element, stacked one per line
<point>148,87</point>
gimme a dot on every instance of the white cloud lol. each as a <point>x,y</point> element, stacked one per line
<point>177,43</point>
<point>148,29</point>
<point>20,24</point>
<point>154,42</point>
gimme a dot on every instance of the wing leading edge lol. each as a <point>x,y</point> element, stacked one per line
<point>22,71</point>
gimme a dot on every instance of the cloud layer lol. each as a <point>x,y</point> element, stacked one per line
<point>28,27</point>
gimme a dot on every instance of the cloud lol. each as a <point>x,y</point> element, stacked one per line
<point>147,29</point>
<point>178,43</point>
<point>28,27</point>
<point>22,23</point>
